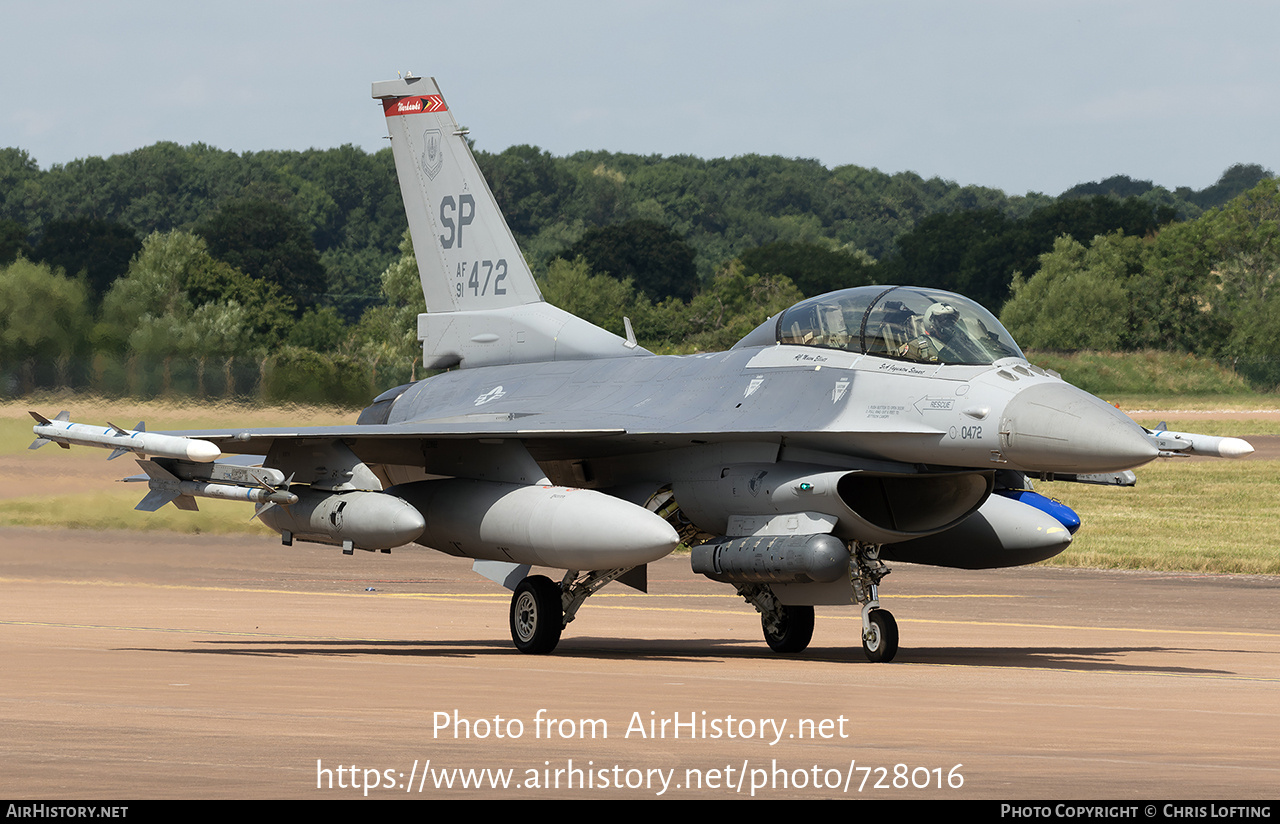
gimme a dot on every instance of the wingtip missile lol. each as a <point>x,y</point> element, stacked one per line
<point>1234,448</point>
<point>62,431</point>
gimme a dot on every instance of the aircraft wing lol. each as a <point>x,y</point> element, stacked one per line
<point>548,436</point>
<point>256,440</point>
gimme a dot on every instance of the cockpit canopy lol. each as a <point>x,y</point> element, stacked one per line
<point>901,322</point>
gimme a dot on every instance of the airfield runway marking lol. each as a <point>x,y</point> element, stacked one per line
<point>812,658</point>
<point>1072,627</point>
<point>181,631</point>
<point>1087,671</point>
<point>292,637</point>
<point>602,603</point>
<point>616,607</point>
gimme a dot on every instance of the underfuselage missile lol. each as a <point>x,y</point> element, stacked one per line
<point>63,432</point>
<point>165,487</point>
<point>162,494</point>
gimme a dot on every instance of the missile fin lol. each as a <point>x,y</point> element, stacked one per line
<point>157,498</point>
<point>158,472</point>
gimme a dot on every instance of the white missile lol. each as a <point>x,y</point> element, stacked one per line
<point>63,432</point>
<point>1189,443</point>
<point>166,487</point>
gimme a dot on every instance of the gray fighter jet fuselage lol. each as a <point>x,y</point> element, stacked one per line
<point>869,424</point>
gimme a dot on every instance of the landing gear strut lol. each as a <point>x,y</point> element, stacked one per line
<point>879,629</point>
<point>541,608</point>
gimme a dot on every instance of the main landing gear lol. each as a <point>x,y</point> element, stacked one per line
<point>791,631</point>
<point>788,628</point>
<point>541,608</point>
<point>537,617</point>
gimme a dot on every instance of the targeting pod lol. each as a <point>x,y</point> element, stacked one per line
<point>772,559</point>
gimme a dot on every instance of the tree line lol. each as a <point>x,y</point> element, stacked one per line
<point>1204,286</point>
<point>189,270</point>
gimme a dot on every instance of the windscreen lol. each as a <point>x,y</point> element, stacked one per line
<point>901,322</point>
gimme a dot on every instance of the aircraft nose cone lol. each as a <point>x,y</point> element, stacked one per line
<point>1055,427</point>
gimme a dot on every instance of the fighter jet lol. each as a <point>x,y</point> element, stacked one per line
<point>882,423</point>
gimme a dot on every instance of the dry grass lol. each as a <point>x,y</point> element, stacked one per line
<point>114,509</point>
<point>1241,427</point>
<point>1149,372</point>
<point>1207,516</point>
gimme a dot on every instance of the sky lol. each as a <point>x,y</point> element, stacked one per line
<point>1019,95</point>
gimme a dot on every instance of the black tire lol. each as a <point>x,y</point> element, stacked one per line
<point>882,646</point>
<point>794,629</point>
<point>537,616</point>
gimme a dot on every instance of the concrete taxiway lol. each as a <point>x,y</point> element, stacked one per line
<point>161,666</point>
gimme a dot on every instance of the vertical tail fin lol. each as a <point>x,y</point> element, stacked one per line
<point>483,306</point>
<point>467,256</point>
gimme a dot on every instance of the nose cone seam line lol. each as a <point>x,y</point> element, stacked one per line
<point>1055,427</point>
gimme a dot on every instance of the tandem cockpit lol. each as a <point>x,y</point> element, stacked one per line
<point>900,322</point>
